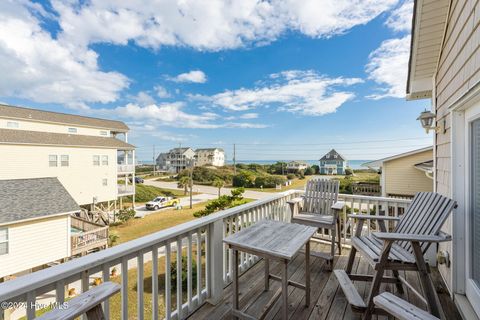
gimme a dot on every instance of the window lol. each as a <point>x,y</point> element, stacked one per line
<point>3,241</point>
<point>52,160</point>
<point>72,130</point>
<point>12,124</point>
<point>64,161</point>
<point>104,133</point>
<point>104,160</point>
<point>96,160</point>
<point>105,182</point>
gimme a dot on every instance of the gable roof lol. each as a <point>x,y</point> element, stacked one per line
<point>428,28</point>
<point>27,199</point>
<point>332,153</point>
<point>297,161</point>
<point>379,162</point>
<point>180,150</point>
<point>21,113</point>
<point>13,136</point>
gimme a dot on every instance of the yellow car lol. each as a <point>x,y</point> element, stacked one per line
<point>162,202</point>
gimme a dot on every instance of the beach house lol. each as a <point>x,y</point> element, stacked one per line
<point>333,163</point>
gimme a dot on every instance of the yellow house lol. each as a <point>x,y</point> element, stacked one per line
<point>405,174</point>
<point>34,224</point>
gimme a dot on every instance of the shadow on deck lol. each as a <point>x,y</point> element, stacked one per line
<point>327,299</point>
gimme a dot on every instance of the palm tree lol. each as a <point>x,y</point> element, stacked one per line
<point>218,183</point>
<point>184,182</point>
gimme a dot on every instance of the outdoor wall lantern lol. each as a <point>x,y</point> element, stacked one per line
<point>427,119</point>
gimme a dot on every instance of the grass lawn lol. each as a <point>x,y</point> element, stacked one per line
<point>363,176</point>
<point>154,222</point>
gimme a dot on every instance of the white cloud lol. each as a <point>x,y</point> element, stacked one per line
<point>401,18</point>
<point>195,76</point>
<point>37,67</point>
<point>172,115</point>
<point>209,25</point>
<point>388,66</point>
<point>250,115</point>
<point>297,91</point>
<point>142,98</point>
<point>162,92</point>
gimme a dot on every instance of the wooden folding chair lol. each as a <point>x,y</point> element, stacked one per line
<point>319,208</point>
<point>402,249</point>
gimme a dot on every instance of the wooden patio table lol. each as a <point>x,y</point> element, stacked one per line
<point>272,240</point>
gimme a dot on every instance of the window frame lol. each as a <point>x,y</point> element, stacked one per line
<point>96,160</point>
<point>7,241</point>
<point>104,133</point>
<point>105,182</point>
<point>104,160</point>
<point>13,124</point>
<point>72,130</point>
<point>62,161</point>
<point>50,161</point>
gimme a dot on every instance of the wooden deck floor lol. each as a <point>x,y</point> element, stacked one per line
<point>328,301</point>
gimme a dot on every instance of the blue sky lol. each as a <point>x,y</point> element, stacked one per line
<point>281,79</point>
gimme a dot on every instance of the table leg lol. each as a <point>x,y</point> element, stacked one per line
<point>285,290</point>
<point>267,274</point>
<point>307,273</point>
<point>235,281</point>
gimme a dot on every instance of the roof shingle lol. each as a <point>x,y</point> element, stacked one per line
<point>25,199</point>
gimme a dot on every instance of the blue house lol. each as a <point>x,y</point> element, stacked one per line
<point>333,163</point>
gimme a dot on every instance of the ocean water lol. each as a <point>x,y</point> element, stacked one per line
<point>354,164</point>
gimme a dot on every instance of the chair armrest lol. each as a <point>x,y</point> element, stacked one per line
<point>339,205</point>
<point>370,217</point>
<point>295,200</point>
<point>412,237</point>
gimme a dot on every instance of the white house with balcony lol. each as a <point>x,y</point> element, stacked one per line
<point>294,166</point>
<point>210,157</point>
<point>89,156</point>
<point>176,160</point>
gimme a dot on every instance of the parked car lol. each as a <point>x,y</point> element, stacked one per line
<point>162,202</point>
<point>138,180</point>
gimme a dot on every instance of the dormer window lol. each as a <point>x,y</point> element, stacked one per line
<point>72,130</point>
<point>335,156</point>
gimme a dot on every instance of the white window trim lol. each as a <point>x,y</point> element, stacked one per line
<point>51,161</point>
<point>95,162</point>
<point>72,130</point>
<point>5,241</point>
<point>105,182</point>
<point>13,124</point>
<point>62,161</point>
<point>104,160</point>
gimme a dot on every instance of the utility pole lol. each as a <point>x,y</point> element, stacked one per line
<point>153,158</point>
<point>234,159</point>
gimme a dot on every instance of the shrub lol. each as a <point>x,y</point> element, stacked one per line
<point>126,214</point>
<point>244,179</point>
<point>300,174</point>
<point>290,176</point>
<point>348,171</point>
<point>173,274</point>
<point>269,181</point>
<point>223,202</point>
<point>316,168</point>
<point>309,171</point>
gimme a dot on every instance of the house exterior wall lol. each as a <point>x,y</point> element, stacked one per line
<point>35,243</point>
<point>338,166</point>
<point>458,72</point>
<point>402,178</point>
<point>54,128</point>
<point>210,157</point>
<point>81,178</point>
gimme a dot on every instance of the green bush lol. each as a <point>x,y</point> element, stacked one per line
<point>269,181</point>
<point>223,202</point>
<point>126,214</point>
<point>348,171</point>
<point>316,168</point>
<point>291,176</point>
<point>173,274</point>
<point>309,171</point>
<point>244,179</point>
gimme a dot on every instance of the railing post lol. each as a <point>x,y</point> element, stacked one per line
<point>215,247</point>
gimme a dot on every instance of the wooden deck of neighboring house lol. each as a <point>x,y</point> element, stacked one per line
<point>328,300</point>
<point>89,236</point>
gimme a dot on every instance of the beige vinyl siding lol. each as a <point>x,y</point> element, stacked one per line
<point>35,243</point>
<point>458,71</point>
<point>54,128</point>
<point>402,178</point>
<point>81,178</point>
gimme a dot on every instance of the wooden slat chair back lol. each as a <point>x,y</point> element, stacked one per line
<point>425,216</point>
<point>320,195</point>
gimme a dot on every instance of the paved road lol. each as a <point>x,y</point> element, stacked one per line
<point>184,202</point>
<point>208,189</point>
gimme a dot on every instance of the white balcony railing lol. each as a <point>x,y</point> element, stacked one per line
<point>205,282</point>
<point>125,189</point>
<point>125,168</point>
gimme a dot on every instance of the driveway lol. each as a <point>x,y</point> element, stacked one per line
<point>208,189</point>
<point>141,211</point>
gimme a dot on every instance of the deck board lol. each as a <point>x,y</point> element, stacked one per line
<point>327,299</point>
